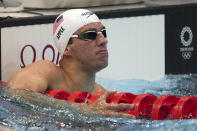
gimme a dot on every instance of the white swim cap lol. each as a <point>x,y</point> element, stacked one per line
<point>69,22</point>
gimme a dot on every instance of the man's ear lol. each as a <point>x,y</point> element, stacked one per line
<point>67,51</point>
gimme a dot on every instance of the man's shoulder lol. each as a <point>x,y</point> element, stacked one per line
<point>42,68</point>
<point>43,63</point>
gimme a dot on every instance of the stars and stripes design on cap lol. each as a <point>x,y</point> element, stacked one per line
<point>58,21</point>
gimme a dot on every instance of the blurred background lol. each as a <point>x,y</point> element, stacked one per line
<point>27,8</point>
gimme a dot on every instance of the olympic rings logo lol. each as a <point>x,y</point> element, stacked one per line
<point>185,30</point>
<point>47,47</point>
<point>186,55</point>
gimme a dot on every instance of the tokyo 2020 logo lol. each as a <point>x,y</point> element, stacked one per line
<point>186,37</point>
<point>186,31</point>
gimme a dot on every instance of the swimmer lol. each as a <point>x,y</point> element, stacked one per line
<point>80,38</point>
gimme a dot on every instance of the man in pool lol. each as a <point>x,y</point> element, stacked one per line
<point>80,38</point>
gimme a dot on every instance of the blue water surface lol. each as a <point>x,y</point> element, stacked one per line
<point>33,113</point>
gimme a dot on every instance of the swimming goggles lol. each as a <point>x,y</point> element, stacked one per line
<point>90,35</point>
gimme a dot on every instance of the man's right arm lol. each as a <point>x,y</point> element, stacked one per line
<point>25,80</point>
<point>31,77</point>
<point>34,78</point>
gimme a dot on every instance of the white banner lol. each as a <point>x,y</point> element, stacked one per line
<point>136,47</point>
<point>23,45</point>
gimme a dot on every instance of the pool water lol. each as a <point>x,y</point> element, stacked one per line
<point>32,113</point>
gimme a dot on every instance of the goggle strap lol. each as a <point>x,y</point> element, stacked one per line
<point>74,36</point>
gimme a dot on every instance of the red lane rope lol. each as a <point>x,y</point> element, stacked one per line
<point>146,106</point>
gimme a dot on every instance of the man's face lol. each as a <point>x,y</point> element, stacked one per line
<point>92,55</point>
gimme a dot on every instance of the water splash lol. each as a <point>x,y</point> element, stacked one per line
<point>34,111</point>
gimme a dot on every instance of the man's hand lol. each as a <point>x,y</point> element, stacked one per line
<point>101,108</point>
<point>98,108</point>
